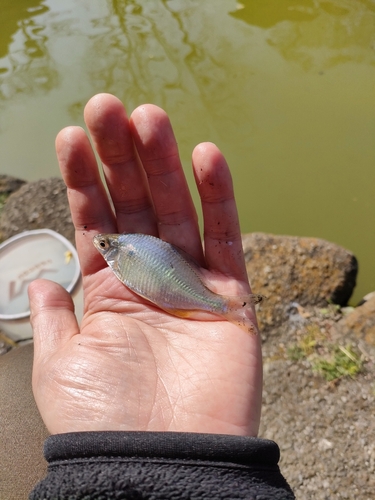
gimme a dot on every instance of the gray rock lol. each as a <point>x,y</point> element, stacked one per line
<point>367,297</point>
<point>9,184</point>
<point>37,205</point>
<point>288,269</point>
<point>361,322</point>
<point>4,347</point>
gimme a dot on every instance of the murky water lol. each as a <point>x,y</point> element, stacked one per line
<point>286,88</point>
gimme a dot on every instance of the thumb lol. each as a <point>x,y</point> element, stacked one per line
<point>52,317</point>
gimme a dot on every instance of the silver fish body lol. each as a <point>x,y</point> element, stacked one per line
<point>157,271</point>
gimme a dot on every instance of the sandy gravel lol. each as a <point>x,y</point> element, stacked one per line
<point>325,430</point>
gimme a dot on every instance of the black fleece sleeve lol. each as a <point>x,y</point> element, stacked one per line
<point>160,465</point>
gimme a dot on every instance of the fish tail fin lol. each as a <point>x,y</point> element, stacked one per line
<point>241,313</point>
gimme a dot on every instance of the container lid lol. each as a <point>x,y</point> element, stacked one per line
<point>42,253</point>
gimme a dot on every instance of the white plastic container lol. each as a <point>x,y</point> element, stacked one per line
<point>25,257</point>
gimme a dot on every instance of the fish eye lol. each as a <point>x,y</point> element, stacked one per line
<point>102,243</point>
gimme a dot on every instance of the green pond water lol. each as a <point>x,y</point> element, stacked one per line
<point>286,89</point>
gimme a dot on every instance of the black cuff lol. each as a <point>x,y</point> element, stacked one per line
<point>161,465</point>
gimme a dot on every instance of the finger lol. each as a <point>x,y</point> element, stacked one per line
<point>52,317</point>
<point>222,235</point>
<point>105,116</point>
<point>157,148</point>
<point>88,200</point>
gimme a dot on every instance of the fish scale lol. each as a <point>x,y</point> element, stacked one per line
<point>159,272</point>
<point>154,269</point>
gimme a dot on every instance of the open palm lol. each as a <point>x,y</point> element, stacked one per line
<point>129,365</point>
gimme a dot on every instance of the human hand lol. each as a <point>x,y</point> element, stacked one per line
<point>129,365</point>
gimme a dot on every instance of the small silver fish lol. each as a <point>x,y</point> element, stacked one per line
<point>158,272</point>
